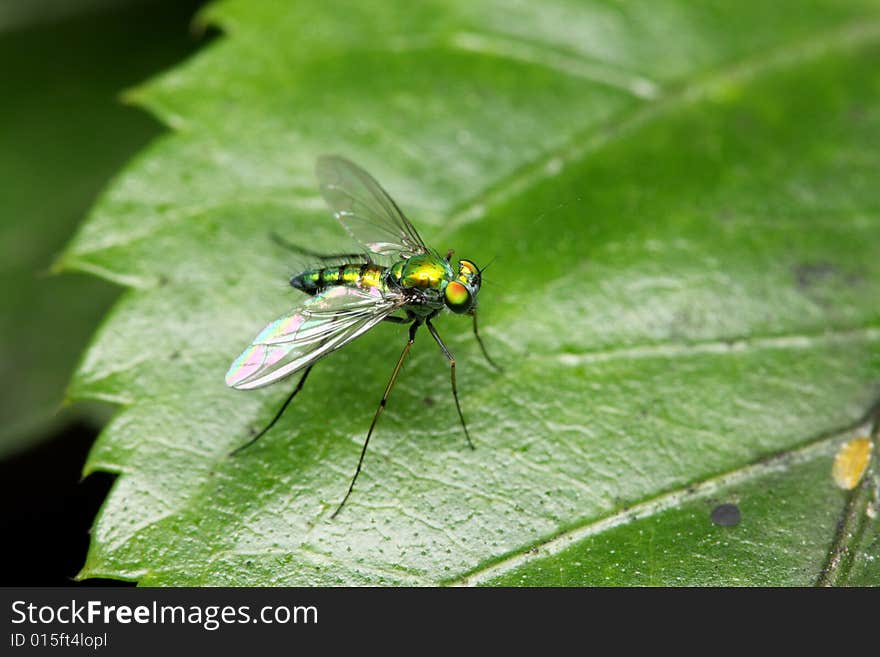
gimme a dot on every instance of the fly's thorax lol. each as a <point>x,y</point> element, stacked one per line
<point>395,271</point>
<point>423,272</point>
<point>365,275</point>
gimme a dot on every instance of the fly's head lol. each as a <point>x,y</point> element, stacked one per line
<point>461,292</point>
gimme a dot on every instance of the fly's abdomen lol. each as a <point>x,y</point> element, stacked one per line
<point>363,275</point>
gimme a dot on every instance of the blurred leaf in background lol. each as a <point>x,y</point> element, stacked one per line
<point>63,134</point>
<point>683,204</point>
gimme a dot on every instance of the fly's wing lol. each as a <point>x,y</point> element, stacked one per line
<point>365,210</point>
<point>318,327</point>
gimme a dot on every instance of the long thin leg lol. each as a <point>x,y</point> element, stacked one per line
<point>280,412</point>
<point>451,359</point>
<point>412,337</point>
<point>482,346</point>
<point>290,246</point>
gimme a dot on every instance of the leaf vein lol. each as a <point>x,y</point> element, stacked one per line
<point>824,444</point>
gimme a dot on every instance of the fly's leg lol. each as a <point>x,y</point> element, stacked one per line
<point>280,412</point>
<point>290,246</point>
<point>451,360</point>
<point>482,346</point>
<point>412,337</point>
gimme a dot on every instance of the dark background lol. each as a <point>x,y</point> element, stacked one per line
<point>47,510</point>
<point>75,58</point>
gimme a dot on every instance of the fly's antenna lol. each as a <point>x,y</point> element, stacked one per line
<point>489,264</point>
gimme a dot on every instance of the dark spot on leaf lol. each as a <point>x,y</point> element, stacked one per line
<point>162,280</point>
<point>429,401</point>
<point>682,324</point>
<point>745,122</point>
<point>810,274</point>
<point>174,355</point>
<point>726,515</point>
<point>854,279</point>
<point>724,215</point>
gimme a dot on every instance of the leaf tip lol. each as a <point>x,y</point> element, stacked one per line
<point>206,18</point>
<point>132,97</point>
<point>87,469</point>
<point>59,265</point>
<point>202,21</point>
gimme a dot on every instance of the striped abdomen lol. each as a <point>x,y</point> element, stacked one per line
<point>313,281</point>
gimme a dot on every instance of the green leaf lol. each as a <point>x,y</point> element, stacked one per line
<point>681,202</point>
<point>64,134</point>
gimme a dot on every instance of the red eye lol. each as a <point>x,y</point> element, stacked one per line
<point>458,297</point>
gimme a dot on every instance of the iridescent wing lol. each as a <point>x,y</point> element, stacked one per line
<point>321,325</point>
<point>365,210</point>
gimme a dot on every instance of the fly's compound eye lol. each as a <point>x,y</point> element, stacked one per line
<point>467,270</point>
<point>470,276</point>
<point>458,297</point>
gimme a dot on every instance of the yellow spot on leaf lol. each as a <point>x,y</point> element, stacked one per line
<point>851,462</point>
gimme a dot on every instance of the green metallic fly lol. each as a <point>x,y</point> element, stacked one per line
<point>350,293</point>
